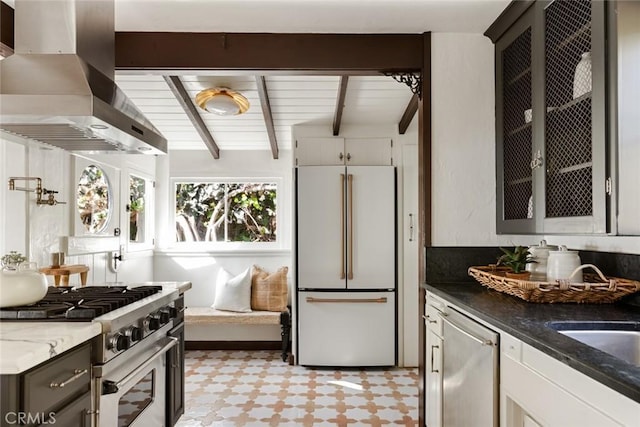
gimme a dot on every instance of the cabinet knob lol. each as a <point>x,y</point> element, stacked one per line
<point>341,156</point>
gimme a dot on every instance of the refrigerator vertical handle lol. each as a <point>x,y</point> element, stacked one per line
<point>342,226</point>
<point>350,239</point>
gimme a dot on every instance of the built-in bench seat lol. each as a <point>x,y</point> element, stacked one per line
<point>211,316</point>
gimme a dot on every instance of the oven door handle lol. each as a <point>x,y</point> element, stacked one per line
<point>110,387</point>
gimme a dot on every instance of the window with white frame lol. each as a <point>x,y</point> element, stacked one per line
<point>226,211</point>
<point>140,212</point>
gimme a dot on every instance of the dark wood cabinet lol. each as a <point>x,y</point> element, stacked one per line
<point>175,368</point>
<point>55,392</point>
<point>551,156</point>
<point>514,132</point>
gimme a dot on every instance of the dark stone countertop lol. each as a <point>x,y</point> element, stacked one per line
<point>528,322</point>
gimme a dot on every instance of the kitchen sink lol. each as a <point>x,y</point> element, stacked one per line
<point>619,339</point>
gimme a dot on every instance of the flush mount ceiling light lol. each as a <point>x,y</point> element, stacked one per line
<point>222,101</point>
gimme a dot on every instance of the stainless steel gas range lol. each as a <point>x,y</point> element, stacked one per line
<point>129,366</point>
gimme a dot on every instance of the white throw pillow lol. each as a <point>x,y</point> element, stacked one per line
<point>233,293</point>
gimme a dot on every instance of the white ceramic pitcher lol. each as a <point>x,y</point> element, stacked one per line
<point>540,254</point>
<point>562,265</point>
<point>22,286</point>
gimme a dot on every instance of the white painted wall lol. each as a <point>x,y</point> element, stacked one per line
<point>463,138</point>
<point>13,204</point>
<point>200,264</point>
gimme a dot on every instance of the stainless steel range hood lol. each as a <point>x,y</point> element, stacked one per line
<point>58,87</point>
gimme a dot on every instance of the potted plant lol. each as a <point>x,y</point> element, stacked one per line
<point>517,261</point>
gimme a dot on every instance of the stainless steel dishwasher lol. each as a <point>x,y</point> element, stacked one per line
<point>469,372</point>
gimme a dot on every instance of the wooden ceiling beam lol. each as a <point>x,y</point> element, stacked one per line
<point>6,29</point>
<point>342,94</point>
<point>408,114</point>
<point>268,116</point>
<point>183,97</point>
<point>337,54</point>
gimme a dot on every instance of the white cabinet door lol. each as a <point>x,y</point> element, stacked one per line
<point>321,241</point>
<point>334,151</point>
<point>368,151</point>
<point>319,152</point>
<point>433,379</point>
<point>371,227</point>
<point>346,328</point>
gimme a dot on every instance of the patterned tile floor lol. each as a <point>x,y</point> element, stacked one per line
<point>255,389</point>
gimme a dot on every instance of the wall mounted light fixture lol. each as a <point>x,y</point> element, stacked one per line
<point>222,101</point>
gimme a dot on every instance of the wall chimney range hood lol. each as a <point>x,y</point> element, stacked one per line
<point>58,89</point>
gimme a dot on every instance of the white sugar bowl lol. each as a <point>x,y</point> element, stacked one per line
<point>22,286</point>
<point>540,254</point>
<point>562,263</point>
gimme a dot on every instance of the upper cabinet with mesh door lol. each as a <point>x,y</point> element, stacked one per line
<point>559,136</point>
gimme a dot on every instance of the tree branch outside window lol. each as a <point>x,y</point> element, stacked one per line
<point>226,212</point>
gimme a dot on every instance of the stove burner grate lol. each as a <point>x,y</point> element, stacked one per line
<point>66,303</point>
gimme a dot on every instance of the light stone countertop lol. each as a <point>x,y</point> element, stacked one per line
<point>24,345</point>
<point>181,287</point>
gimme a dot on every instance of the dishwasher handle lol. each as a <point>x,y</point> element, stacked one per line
<point>480,340</point>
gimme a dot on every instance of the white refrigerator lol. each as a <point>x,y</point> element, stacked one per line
<point>346,265</point>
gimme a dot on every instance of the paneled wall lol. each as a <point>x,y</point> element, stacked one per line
<point>36,230</point>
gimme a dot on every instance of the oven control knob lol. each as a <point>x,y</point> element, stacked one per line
<point>134,333</point>
<point>154,322</point>
<point>173,312</point>
<point>120,342</point>
<point>164,317</point>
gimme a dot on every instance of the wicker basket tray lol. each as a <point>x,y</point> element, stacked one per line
<point>597,288</point>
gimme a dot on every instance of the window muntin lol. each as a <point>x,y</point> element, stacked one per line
<point>226,211</point>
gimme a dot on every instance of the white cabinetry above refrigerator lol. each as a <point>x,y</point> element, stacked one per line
<point>340,151</point>
<point>346,265</point>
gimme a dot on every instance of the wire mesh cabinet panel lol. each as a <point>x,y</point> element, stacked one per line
<point>515,195</point>
<point>550,106</point>
<point>574,138</point>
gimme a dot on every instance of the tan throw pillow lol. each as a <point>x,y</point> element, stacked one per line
<point>269,290</point>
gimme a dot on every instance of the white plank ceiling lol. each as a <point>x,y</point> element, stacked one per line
<point>294,100</point>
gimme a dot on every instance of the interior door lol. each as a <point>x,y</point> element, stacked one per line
<point>371,229</point>
<point>320,225</point>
